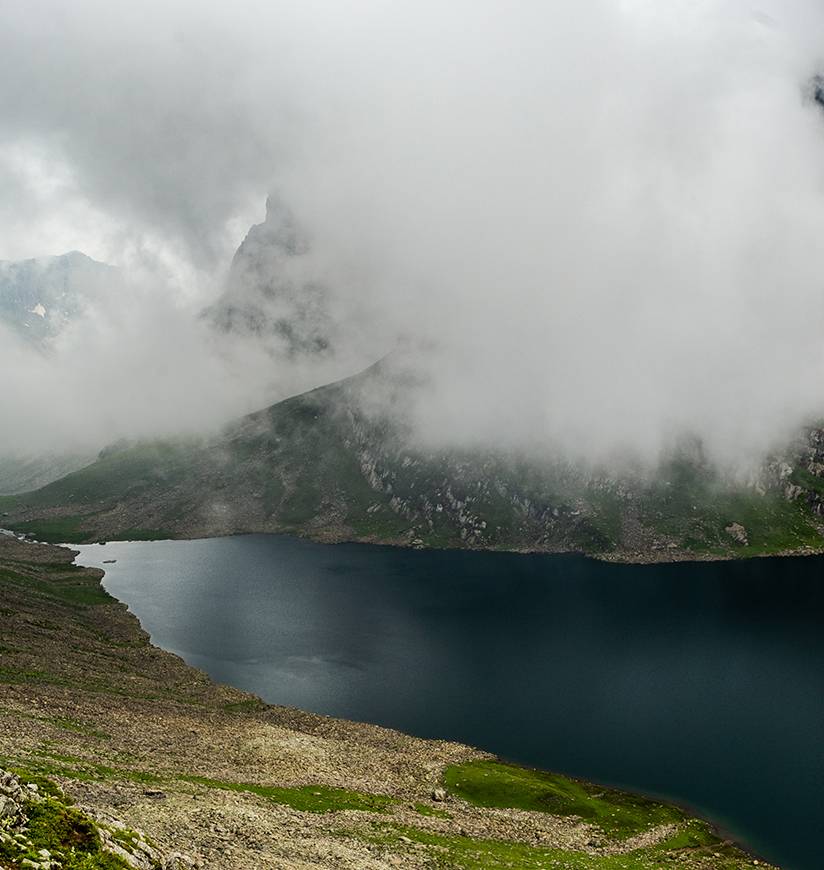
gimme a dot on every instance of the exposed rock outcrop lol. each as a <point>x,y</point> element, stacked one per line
<point>269,295</point>
<point>45,832</point>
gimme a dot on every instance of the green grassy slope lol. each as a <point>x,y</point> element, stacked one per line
<point>325,464</point>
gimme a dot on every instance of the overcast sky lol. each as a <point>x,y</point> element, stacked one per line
<point>601,222</point>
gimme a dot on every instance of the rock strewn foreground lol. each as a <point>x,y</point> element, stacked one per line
<point>214,778</point>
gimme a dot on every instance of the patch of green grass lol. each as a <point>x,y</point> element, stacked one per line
<point>76,590</point>
<point>424,810</point>
<point>88,593</point>
<point>70,837</point>
<point>57,567</point>
<point>253,705</point>
<point>44,786</point>
<point>8,503</point>
<point>592,534</point>
<point>75,725</point>
<point>463,852</point>
<point>24,676</point>
<point>61,531</point>
<point>801,477</point>
<point>120,475</point>
<point>141,535</point>
<point>54,826</point>
<point>689,505</point>
<point>382,524</point>
<point>128,839</point>
<point>177,513</point>
<point>272,496</point>
<point>81,768</point>
<point>494,784</point>
<point>456,852</point>
<point>692,836</point>
<point>445,534</point>
<point>302,504</point>
<point>60,721</point>
<point>502,523</point>
<point>307,798</point>
<point>606,521</point>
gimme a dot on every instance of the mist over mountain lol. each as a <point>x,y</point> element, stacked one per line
<point>40,297</point>
<point>268,298</point>
<point>592,228</point>
<point>355,460</point>
<point>342,463</point>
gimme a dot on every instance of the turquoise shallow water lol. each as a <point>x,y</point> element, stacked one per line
<point>703,682</point>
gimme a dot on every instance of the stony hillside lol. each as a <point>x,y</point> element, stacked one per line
<point>116,754</point>
<point>338,463</point>
<point>26,472</point>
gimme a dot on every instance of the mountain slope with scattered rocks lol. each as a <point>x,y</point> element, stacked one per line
<point>341,463</point>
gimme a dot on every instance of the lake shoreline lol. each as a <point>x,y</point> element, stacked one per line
<point>93,726</point>
<point>658,554</point>
<point>487,593</point>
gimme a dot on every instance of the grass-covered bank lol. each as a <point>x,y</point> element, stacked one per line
<point>130,731</point>
<point>42,830</point>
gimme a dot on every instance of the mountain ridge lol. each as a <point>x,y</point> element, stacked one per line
<point>340,463</point>
<point>39,297</point>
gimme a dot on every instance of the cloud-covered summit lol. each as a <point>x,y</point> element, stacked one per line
<point>40,297</point>
<point>270,297</point>
<point>599,222</point>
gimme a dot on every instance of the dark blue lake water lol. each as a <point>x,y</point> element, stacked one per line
<point>703,682</point>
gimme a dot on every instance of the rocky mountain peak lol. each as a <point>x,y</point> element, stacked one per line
<point>279,234</point>
<point>271,294</point>
<point>41,295</point>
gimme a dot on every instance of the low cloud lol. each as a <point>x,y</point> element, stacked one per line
<point>600,223</point>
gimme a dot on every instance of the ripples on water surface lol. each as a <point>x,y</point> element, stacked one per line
<point>700,681</point>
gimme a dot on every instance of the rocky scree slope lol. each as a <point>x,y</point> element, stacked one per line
<point>117,754</point>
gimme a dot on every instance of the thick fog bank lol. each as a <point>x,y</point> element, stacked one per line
<point>595,224</point>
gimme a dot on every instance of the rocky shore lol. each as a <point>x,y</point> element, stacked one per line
<point>193,774</point>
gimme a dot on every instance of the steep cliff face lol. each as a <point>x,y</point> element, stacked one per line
<point>271,295</point>
<point>341,463</point>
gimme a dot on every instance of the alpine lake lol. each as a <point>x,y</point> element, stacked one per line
<point>699,682</point>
